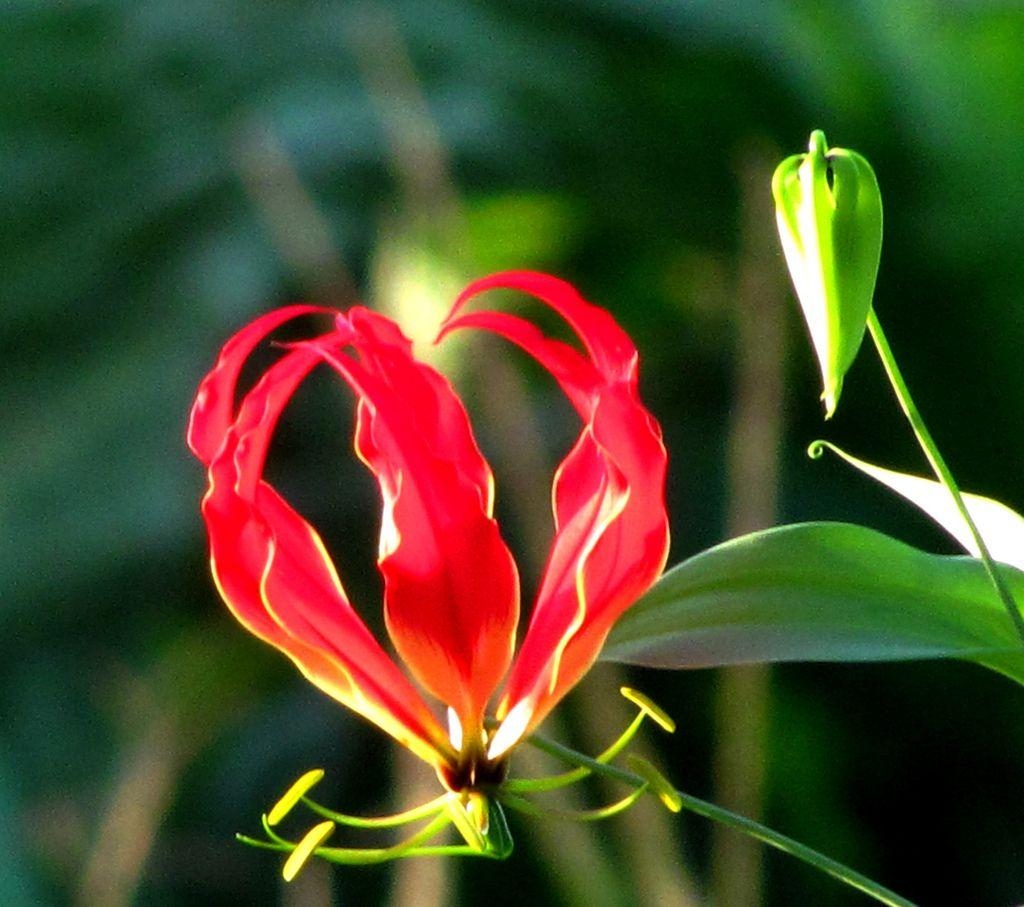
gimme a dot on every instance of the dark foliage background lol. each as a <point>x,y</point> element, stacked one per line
<point>169,170</point>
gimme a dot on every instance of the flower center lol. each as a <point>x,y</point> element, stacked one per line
<point>473,771</point>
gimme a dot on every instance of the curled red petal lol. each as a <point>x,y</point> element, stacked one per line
<point>608,346</point>
<point>271,567</point>
<point>213,410</point>
<point>611,537</point>
<point>451,587</point>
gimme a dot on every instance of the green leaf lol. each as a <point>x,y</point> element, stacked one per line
<point>1001,528</point>
<point>819,592</point>
<point>829,213</point>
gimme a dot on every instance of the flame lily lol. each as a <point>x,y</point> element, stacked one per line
<point>451,588</point>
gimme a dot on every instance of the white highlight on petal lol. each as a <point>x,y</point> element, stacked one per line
<point>511,729</point>
<point>390,534</point>
<point>454,729</point>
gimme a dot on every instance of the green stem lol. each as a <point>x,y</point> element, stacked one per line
<point>747,826</point>
<point>939,467</point>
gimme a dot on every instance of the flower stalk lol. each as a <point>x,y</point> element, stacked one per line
<point>941,470</point>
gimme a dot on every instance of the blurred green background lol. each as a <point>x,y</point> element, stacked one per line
<point>170,169</point>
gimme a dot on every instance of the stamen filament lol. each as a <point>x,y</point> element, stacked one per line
<point>572,757</point>
<point>361,856</point>
<point>459,813</point>
<point>355,855</point>
<point>521,804</point>
<point>273,835</point>
<point>553,782</point>
<point>391,821</point>
<point>265,845</point>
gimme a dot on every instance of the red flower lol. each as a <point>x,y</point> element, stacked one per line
<point>451,589</point>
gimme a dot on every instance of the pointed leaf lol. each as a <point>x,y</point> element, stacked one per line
<point>1001,528</point>
<point>819,592</point>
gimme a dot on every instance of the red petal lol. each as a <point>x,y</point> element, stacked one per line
<point>451,587</point>
<point>213,411</point>
<point>611,536</point>
<point>608,346</point>
<point>271,567</point>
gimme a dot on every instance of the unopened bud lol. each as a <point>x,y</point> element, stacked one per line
<point>829,213</point>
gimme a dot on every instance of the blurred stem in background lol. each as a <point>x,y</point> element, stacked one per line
<point>423,882</point>
<point>417,154</point>
<point>300,232</point>
<point>744,692</point>
<point>313,887</point>
<point>140,794</point>
<point>418,159</point>
<point>647,839</point>
<point>169,713</point>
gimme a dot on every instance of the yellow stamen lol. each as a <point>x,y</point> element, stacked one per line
<point>294,793</point>
<point>658,715</point>
<point>305,849</point>
<point>657,783</point>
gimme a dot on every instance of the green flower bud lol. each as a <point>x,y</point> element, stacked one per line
<point>829,213</point>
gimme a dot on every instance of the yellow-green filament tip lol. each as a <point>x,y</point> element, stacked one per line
<point>305,849</point>
<point>657,783</point>
<point>292,796</point>
<point>654,711</point>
